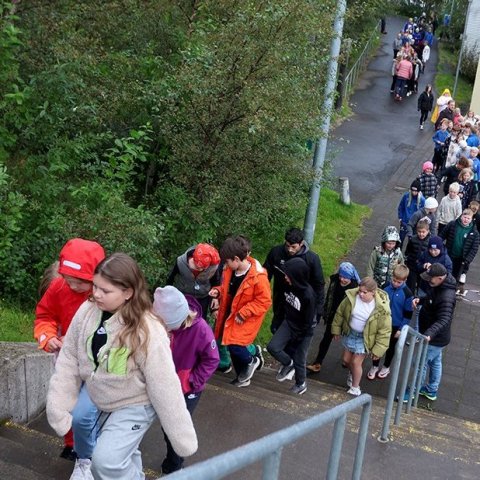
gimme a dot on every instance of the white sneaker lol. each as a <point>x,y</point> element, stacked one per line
<point>349,379</point>
<point>421,127</point>
<point>82,471</point>
<point>372,373</point>
<point>355,391</point>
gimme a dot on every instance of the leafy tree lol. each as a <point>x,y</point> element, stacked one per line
<point>149,126</point>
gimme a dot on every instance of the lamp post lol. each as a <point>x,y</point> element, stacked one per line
<point>321,144</point>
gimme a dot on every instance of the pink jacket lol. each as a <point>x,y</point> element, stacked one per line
<point>404,69</point>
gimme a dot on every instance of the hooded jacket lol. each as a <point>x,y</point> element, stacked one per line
<point>409,205</point>
<point>436,314</point>
<point>442,258</point>
<point>183,278</point>
<point>55,310</point>
<point>300,302</point>
<point>378,328</point>
<point>382,263</point>
<point>276,258</point>
<point>422,214</point>
<point>194,351</point>
<point>120,380</point>
<point>335,295</point>
<point>252,301</point>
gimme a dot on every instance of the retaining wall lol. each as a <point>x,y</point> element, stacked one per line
<point>25,373</point>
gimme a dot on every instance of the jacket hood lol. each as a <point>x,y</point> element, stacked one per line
<point>298,272</point>
<point>194,306</point>
<point>381,298</point>
<point>390,234</point>
<point>79,258</point>
<point>450,282</point>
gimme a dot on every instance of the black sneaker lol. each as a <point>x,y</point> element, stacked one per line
<point>226,369</point>
<point>259,354</point>
<point>299,389</point>
<point>238,383</point>
<point>68,453</point>
<point>250,370</point>
<point>286,372</point>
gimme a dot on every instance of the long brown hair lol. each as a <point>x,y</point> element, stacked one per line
<point>123,271</point>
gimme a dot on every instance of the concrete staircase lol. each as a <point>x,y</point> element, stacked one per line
<point>426,445</point>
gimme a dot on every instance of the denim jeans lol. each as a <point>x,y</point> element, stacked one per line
<point>433,362</point>
<point>240,356</point>
<point>84,424</point>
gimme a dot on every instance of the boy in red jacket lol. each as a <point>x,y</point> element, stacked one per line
<point>60,302</point>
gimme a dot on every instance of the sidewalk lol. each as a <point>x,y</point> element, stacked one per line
<point>401,148</point>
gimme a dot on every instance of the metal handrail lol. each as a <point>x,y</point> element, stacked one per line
<point>359,66</point>
<point>269,448</point>
<point>417,348</point>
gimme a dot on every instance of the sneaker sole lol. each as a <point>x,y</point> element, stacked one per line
<point>301,392</point>
<point>289,376</point>
<point>239,384</point>
<point>259,355</point>
<point>244,379</point>
<point>426,395</point>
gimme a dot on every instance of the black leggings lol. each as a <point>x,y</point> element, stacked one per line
<point>423,116</point>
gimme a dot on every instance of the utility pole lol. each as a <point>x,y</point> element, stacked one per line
<point>464,35</point>
<point>321,144</point>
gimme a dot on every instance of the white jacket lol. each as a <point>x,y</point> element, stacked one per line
<point>150,379</point>
<point>426,54</point>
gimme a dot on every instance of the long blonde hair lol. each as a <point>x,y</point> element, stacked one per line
<point>123,271</point>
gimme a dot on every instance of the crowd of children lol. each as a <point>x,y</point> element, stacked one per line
<point>411,52</point>
<point>125,358</point>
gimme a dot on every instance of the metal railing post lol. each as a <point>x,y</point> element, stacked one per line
<point>336,448</point>
<point>361,441</point>
<point>403,389</point>
<point>397,360</point>
<point>271,465</point>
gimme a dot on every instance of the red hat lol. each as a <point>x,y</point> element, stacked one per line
<point>205,255</point>
<point>79,258</point>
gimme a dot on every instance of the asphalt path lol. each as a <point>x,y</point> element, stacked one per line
<point>369,147</point>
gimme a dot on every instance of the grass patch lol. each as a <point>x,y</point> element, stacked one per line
<point>15,325</point>
<point>445,78</point>
<point>338,227</point>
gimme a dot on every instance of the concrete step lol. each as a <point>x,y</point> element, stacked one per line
<point>27,454</point>
<point>426,445</point>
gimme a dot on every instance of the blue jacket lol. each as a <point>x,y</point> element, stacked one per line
<point>409,205</point>
<point>472,140</point>
<point>428,38</point>
<point>400,304</point>
<point>440,136</point>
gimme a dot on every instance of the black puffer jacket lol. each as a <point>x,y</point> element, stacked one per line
<point>435,318</point>
<point>425,102</point>
<point>470,245</point>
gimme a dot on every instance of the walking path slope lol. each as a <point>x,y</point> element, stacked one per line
<point>383,149</point>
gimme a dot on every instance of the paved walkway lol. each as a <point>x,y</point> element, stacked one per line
<point>383,150</point>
